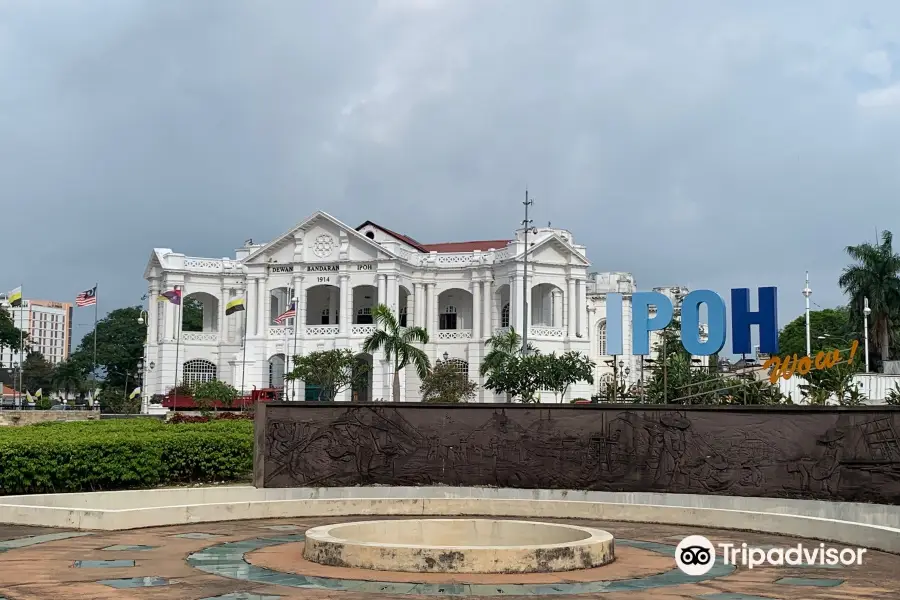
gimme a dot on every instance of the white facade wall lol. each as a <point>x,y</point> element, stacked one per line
<point>335,270</point>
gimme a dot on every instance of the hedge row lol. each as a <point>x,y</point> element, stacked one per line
<point>122,454</point>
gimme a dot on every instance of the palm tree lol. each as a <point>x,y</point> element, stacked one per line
<point>876,276</point>
<point>505,346</point>
<point>397,343</point>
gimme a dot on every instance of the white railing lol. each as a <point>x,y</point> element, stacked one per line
<point>455,334</point>
<point>322,330</point>
<point>546,332</point>
<point>280,331</point>
<point>362,329</point>
<point>202,265</point>
<point>208,337</point>
<point>503,254</point>
<point>501,330</point>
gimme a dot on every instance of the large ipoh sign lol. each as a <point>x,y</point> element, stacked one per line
<point>742,320</point>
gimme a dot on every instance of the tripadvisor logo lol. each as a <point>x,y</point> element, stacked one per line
<point>695,555</point>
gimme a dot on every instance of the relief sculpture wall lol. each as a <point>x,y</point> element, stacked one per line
<point>834,454</point>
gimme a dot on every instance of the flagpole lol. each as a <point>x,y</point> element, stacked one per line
<point>284,376</point>
<point>21,343</point>
<point>178,323</point>
<point>294,352</point>
<point>96,313</point>
<point>244,359</point>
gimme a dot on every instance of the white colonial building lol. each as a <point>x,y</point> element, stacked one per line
<point>461,292</point>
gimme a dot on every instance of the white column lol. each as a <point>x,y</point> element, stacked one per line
<point>419,296</point>
<point>252,307</point>
<point>487,312</point>
<point>433,310</point>
<point>557,308</point>
<point>514,304</point>
<point>393,291</point>
<point>262,307</point>
<point>223,326</point>
<point>529,313</point>
<point>300,293</point>
<point>346,311</point>
<point>476,310</point>
<point>153,314</point>
<point>582,308</point>
<point>411,308</point>
<point>570,300</point>
<point>381,290</point>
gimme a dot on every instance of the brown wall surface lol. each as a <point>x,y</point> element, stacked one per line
<point>850,454</point>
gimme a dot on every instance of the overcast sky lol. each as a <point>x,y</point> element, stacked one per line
<point>706,143</point>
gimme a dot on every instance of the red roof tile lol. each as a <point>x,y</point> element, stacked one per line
<point>466,246</point>
<point>8,391</point>
<point>442,247</point>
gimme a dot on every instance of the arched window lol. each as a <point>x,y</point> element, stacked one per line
<point>461,366</point>
<point>403,312</point>
<point>276,371</point>
<point>601,338</point>
<point>325,313</point>
<point>198,371</point>
<point>448,318</point>
<point>364,316</point>
<point>370,235</point>
<point>504,315</point>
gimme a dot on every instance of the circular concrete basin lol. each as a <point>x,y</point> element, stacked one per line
<point>459,546</point>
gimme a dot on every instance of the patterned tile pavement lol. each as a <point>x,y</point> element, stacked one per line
<point>262,560</point>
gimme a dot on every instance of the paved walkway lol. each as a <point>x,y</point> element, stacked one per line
<point>262,560</point>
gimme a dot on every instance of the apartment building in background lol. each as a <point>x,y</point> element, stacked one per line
<point>49,327</point>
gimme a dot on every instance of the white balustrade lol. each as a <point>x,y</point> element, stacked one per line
<point>202,265</point>
<point>546,332</point>
<point>362,329</point>
<point>454,334</point>
<point>208,337</point>
<point>322,330</point>
<point>280,331</point>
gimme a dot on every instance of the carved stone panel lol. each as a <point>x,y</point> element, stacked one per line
<point>834,454</point>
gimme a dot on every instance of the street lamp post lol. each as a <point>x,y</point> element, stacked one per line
<point>866,312</point>
<point>143,317</point>
<point>806,294</point>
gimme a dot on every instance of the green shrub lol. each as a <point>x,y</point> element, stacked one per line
<point>122,454</point>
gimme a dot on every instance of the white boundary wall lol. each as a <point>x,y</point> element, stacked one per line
<point>872,526</point>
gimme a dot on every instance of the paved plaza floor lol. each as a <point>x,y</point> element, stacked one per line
<point>262,560</point>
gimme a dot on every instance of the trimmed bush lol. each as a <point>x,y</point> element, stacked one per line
<point>122,454</point>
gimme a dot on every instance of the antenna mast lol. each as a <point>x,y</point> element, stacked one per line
<point>527,224</point>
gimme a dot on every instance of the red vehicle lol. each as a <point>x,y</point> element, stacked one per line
<point>185,402</point>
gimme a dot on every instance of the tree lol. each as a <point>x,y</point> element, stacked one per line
<point>115,400</point>
<point>504,348</point>
<point>332,371</point>
<point>120,346</point>
<point>207,393</point>
<point>445,384</point>
<point>191,315</point>
<point>398,345</point>
<point>37,372</point>
<point>875,276</point>
<point>833,324</point>
<point>559,372</point>
<point>10,336</point>
<point>518,377</point>
<point>68,375</point>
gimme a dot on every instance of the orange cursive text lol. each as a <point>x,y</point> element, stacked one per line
<point>787,366</point>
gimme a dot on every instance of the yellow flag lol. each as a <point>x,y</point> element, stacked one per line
<point>134,393</point>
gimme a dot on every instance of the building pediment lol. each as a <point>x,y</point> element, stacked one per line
<point>553,250</point>
<point>156,262</point>
<point>319,239</point>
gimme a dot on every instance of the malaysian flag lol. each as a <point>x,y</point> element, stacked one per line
<point>87,297</point>
<point>290,313</point>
